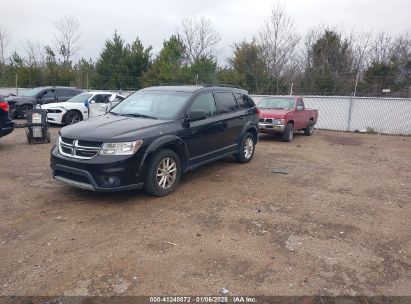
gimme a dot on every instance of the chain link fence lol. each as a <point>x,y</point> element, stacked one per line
<point>360,114</point>
<point>340,113</point>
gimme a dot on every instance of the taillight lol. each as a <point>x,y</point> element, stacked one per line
<point>258,111</point>
<point>4,106</point>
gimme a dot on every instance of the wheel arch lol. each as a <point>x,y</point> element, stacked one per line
<point>171,142</point>
<point>63,118</point>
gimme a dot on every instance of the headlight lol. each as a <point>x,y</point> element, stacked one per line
<point>278,121</point>
<point>123,148</point>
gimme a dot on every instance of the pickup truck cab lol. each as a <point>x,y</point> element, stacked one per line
<point>284,115</point>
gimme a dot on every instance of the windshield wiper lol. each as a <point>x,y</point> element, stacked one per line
<point>139,115</point>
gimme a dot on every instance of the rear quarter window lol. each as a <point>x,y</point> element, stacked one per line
<point>243,101</point>
<point>226,102</point>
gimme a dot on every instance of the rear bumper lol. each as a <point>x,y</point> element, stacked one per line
<point>270,128</point>
<point>6,128</point>
<point>104,175</point>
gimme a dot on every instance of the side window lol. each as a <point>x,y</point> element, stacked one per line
<point>49,94</point>
<point>243,101</point>
<point>226,102</point>
<point>118,99</point>
<point>68,93</point>
<point>206,103</point>
<point>300,105</point>
<point>100,98</point>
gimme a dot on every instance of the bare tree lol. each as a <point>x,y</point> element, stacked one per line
<point>67,38</point>
<point>34,53</point>
<point>278,40</point>
<point>381,48</point>
<point>4,40</point>
<point>361,47</point>
<point>200,38</point>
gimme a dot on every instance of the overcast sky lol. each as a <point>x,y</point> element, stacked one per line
<point>155,20</point>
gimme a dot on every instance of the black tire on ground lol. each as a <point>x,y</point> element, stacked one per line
<point>288,132</point>
<point>72,117</point>
<point>24,109</point>
<point>154,180</point>
<point>309,130</point>
<point>247,148</point>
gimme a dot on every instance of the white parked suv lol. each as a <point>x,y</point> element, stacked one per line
<point>75,109</point>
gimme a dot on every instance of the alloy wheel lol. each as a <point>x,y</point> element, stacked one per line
<point>248,147</point>
<point>75,118</point>
<point>166,173</point>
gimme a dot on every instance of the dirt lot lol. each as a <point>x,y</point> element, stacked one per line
<point>338,223</point>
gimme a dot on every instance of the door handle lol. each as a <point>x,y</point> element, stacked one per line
<point>241,117</point>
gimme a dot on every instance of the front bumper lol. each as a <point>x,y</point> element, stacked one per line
<point>270,128</point>
<point>101,173</point>
<point>55,118</point>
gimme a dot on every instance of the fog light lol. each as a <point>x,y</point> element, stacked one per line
<point>111,181</point>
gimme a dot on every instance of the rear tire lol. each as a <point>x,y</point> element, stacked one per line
<point>309,130</point>
<point>247,148</point>
<point>72,117</point>
<point>163,174</point>
<point>288,133</point>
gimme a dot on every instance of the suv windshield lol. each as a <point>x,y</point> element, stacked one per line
<point>80,98</point>
<point>276,103</point>
<point>33,92</point>
<point>157,104</point>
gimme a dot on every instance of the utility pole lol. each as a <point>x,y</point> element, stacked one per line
<point>291,89</point>
<point>356,82</point>
<point>196,79</point>
<point>87,81</point>
<point>17,89</point>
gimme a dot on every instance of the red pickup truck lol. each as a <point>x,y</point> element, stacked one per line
<point>284,115</point>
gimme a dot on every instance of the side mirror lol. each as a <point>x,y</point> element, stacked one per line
<point>196,115</point>
<point>91,101</point>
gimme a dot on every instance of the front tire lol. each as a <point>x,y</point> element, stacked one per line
<point>72,117</point>
<point>288,133</point>
<point>24,110</point>
<point>163,174</point>
<point>247,148</point>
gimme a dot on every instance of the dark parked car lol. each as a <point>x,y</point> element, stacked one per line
<point>21,105</point>
<point>154,136</point>
<point>6,124</point>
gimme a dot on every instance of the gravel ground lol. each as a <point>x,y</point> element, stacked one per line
<point>337,224</point>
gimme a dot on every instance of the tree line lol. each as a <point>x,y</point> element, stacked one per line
<point>276,60</point>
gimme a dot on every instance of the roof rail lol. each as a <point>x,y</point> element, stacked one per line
<point>222,85</point>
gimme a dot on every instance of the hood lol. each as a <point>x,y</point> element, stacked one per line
<point>14,99</point>
<point>274,113</point>
<point>109,127</point>
<point>60,105</point>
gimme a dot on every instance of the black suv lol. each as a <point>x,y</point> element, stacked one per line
<point>6,124</point>
<point>21,105</point>
<point>154,136</point>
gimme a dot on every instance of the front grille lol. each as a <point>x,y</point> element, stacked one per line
<point>78,148</point>
<point>269,120</point>
<point>53,111</point>
<point>73,177</point>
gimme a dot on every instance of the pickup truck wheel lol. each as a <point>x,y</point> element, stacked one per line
<point>72,117</point>
<point>163,174</point>
<point>288,133</point>
<point>24,110</point>
<point>309,130</point>
<point>247,147</point>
